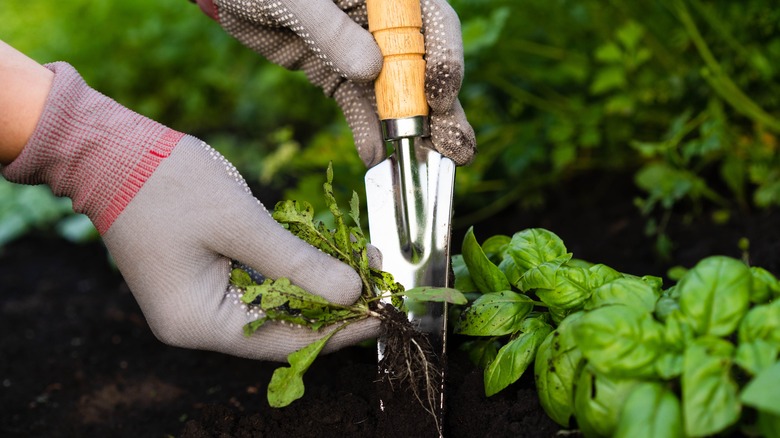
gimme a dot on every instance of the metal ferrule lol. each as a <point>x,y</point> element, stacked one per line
<point>417,126</point>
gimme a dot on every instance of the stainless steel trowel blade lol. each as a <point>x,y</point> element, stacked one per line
<point>409,201</point>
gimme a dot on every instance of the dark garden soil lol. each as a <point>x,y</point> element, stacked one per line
<point>77,358</point>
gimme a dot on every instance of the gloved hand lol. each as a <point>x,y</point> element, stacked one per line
<point>173,213</point>
<point>327,39</point>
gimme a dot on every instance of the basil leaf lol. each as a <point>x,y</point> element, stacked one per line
<point>570,291</point>
<point>761,392</point>
<point>669,365</point>
<point>484,273</point>
<point>513,359</point>
<point>677,331</point>
<point>601,275</point>
<point>768,424</point>
<point>756,356</point>
<point>463,280</point>
<point>709,393</point>
<point>677,334</point>
<point>481,351</point>
<point>651,410</point>
<point>534,246</point>
<point>511,271</point>
<point>495,247</point>
<point>620,340</point>
<point>765,285</point>
<point>665,306</point>
<point>598,400</point>
<point>761,322</point>
<point>286,384</point>
<point>631,292</point>
<point>494,314</point>
<point>556,369</point>
<point>715,295</point>
<point>543,276</point>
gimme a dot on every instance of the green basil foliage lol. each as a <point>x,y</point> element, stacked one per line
<point>616,354</point>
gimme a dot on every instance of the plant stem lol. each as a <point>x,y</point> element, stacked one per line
<point>719,80</point>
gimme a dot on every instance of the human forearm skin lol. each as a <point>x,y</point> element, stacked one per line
<point>24,86</point>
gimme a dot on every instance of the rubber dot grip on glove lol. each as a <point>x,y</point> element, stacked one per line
<point>400,87</point>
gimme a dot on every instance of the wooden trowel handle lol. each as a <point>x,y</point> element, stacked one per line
<point>400,87</point>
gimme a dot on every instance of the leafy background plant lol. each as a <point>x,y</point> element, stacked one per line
<point>614,354</point>
<point>681,93</point>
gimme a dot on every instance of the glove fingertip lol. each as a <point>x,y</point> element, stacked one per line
<point>338,283</point>
<point>364,59</point>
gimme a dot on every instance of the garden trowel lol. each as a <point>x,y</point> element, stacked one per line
<point>409,194</point>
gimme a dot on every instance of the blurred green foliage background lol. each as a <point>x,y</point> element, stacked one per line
<point>684,94</point>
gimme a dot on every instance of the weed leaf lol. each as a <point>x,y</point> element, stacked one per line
<point>436,294</point>
<point>286,384</point>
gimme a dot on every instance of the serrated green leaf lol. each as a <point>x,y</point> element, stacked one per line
<point>513,359</point>
<point>436,294</point>
<point>341,235</point>
<point>286,384</point>
<point>494,314</point>
<point>486,276</point>
<point>715,295</point>
<point>354,208</point>
<point>251,327</point>
<point>709,392</point>
<point>275,293</point>
<point>385,282</point>
<point>240,278</point>
<point>253,291</point>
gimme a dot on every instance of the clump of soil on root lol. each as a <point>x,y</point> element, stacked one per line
<point>411,376</point>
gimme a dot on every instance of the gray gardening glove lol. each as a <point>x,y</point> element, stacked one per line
<point>328,40</point>
<point>173,213</point>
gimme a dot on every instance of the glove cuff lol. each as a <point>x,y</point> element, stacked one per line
<point>91,149</point>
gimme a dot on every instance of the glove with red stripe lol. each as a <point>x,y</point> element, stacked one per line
<point>173,213</point>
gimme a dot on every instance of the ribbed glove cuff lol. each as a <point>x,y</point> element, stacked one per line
<point>91,149</point>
